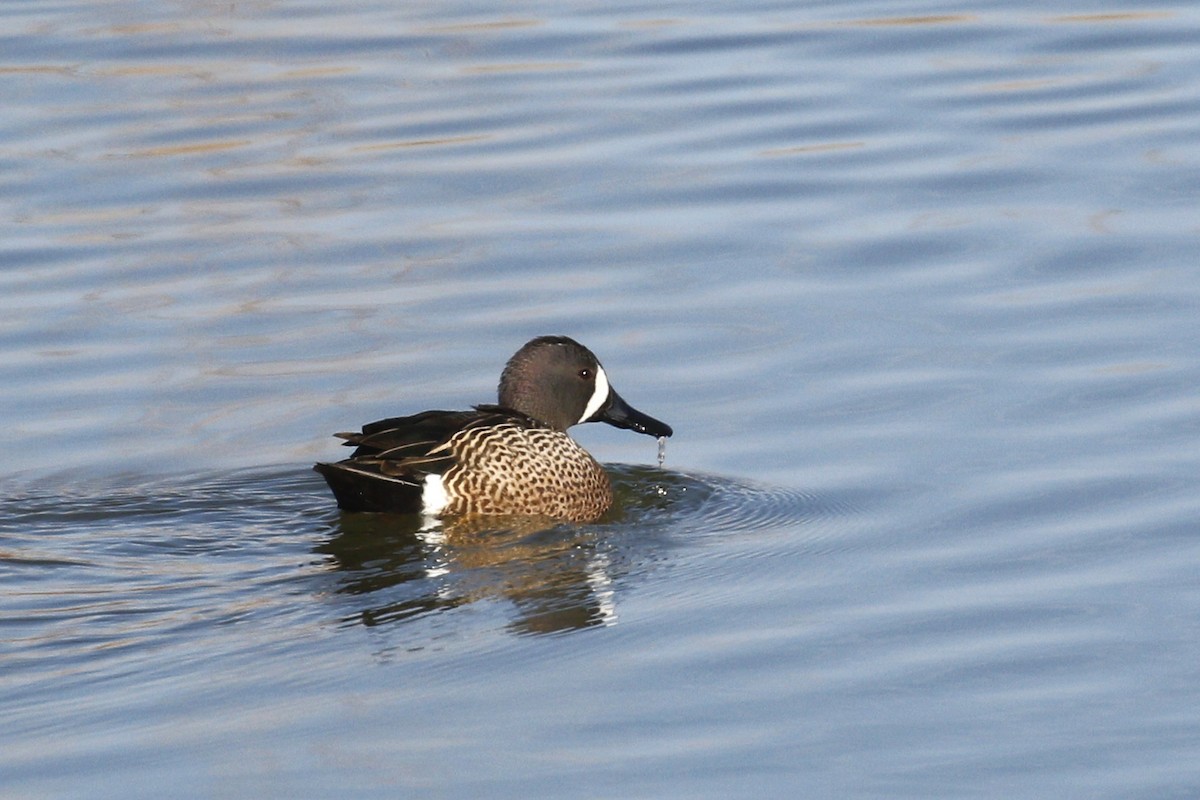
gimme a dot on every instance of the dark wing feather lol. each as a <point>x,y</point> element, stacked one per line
<point>392,456</point>
<point>407,436</point>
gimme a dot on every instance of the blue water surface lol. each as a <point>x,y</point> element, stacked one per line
<point>915,284</point>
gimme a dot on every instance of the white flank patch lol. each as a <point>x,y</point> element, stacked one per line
<point>433,496</point>
<point>600,580</point>
<point>598,397</point>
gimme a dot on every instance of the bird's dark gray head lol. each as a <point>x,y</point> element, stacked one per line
<point>558,381</point>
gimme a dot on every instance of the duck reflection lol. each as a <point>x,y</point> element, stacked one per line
<point>556,575</point>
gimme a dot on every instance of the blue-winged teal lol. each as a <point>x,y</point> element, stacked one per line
<point>512,458</point>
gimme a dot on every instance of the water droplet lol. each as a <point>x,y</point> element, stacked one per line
<point>662,450</point>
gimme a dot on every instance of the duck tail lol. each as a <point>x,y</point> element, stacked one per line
<point>358,487</point>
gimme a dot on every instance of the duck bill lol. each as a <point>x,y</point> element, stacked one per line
<point>619,414</point>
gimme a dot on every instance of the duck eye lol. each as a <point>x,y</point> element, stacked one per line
<point>585,373</point>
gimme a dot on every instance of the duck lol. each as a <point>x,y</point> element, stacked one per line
<point>511,458</point>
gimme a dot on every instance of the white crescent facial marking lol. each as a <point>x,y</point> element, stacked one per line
<point>599,396</point>
<point>433,495</point>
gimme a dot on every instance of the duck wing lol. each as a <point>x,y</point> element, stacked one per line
<point>399,438</point>
<point>393,456</point>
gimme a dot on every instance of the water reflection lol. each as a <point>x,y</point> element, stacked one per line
<point>557,576</point>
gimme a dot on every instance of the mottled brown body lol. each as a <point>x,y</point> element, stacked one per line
<point>515,469</point>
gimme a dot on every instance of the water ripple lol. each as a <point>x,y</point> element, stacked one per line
<point>149,550</point>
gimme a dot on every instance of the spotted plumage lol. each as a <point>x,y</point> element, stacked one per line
<point>514,458</point>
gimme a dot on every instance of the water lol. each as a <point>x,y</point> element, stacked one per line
<point>914,284</point>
